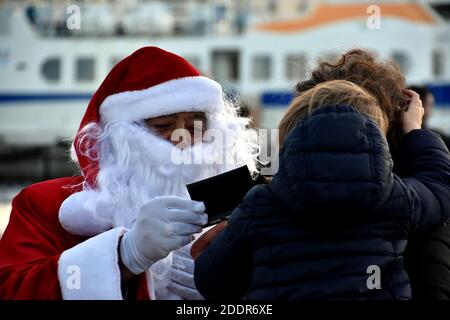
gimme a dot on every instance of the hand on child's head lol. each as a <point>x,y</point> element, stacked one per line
<point>412,117</point>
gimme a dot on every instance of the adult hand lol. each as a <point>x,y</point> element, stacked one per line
<point>163,224</point>
<point>182,275</point>
<point>203,242</point>
<point>412,117</point>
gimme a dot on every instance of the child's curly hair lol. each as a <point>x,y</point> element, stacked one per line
<point>381,78</point>
<point>336,92</point>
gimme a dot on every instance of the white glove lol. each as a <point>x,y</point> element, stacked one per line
<point>182,275</point>
<point>163,224</point>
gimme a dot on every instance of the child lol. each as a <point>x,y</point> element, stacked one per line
<point>334,221</point>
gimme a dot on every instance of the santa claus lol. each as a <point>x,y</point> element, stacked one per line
<point>122,228</point>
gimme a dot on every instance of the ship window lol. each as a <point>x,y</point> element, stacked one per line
<point>225,65</point>
<point>438,63</point>
<point>85,69</point>
<point>302,6</point>
<point>261,67</point>
<point>403,61</point>
<point>443,9</point>
<point>296,66</point>
<point>221,12</point>
<point>21,66</point>
<point>51,69</point>
<point>272,6</point>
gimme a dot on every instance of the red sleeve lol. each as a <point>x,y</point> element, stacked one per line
<point>32,243</point>
<point>142,288</point>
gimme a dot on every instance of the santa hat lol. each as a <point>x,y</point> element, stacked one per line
<point>149,83</point>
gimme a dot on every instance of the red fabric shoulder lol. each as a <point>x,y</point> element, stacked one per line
<point>40,203</point>
<point>34,240</point>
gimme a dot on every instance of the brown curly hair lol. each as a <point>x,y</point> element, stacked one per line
<point>381,78</point>
<point>335,92</point>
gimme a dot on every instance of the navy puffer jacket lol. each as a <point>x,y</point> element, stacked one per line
<point>332,214</point>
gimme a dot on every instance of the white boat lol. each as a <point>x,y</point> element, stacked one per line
<point>46,80</point>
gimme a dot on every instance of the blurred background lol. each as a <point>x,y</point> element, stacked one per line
<point>54,54</point>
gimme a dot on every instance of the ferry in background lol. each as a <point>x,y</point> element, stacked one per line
<point>47,78</point>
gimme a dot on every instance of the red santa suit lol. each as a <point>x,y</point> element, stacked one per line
<point>34,242</point>
<point>49,254</point>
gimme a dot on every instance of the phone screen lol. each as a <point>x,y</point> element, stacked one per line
<point>221,194</point>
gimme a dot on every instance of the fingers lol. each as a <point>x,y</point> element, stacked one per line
<point>413,100</point>
<point>183,277</point>
<point>411,93</point>
<point>183,229</point>
<point>185,292</point>
<point>412,117</point>
<point>183,263</point>
<point>416,101</point>
<point>174,202</point>
<point>167,294</point>
<point>184,251</point>
<point>186,217</point>
<point>176,242</point>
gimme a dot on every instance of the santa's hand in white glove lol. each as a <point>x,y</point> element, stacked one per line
<point>182,275</point>
<point>163,224</point>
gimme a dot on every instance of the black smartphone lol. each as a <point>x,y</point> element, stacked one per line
<point>221,194</point>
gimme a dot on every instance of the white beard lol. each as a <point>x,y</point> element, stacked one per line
<point>136,166</point>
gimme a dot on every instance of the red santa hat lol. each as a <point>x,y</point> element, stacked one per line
<point>149,83</point>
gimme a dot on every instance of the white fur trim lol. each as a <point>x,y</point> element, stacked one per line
<point>188,94</point>
<point>77,218</point>
<point>95,261</point>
